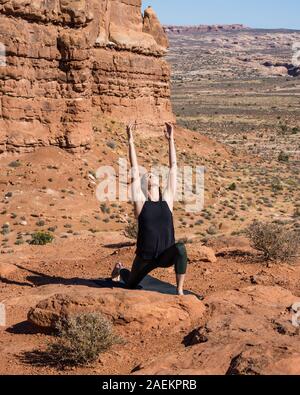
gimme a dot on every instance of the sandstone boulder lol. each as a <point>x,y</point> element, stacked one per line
<point>139,310</point>
<point>198,252</point>
<point>206,254</point>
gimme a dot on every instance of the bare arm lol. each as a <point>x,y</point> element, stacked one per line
<point>170,192</point>
<point>132,152</point>
<point>137,194</point>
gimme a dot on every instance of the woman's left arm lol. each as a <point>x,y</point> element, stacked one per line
<point>170,191</point>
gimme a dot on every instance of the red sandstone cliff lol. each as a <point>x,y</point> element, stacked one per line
<point>68,61</point>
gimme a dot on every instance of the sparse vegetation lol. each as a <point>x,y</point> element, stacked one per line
<point>41,238</point>
<point>283,157</point>
<point>5,229</point>
<point>40,222</point>
<point>15,164</point>
<point>111,144</point>
<point>81,339</point>
<point>104,208</point>
<point>131,230</point>
<point>232,187</point>
<point>275,241</point>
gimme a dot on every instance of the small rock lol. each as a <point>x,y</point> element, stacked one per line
<point>206,254</point>
<point>6,269</point>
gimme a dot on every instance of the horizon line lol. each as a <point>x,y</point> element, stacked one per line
<point>229,24</point>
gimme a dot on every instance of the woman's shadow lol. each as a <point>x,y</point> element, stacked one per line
<point>151,284</point>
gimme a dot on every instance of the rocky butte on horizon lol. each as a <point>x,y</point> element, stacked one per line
<point>178,29</point>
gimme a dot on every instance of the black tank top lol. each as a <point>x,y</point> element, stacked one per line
<point>155,229</point>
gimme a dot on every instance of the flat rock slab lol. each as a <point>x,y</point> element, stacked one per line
<point>149,283</point>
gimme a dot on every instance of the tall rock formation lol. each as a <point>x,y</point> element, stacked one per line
<point>68,62</point>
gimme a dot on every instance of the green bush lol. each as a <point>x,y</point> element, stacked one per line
<point>275,241</point>
<point>41,238</point>
<point>81,339</point>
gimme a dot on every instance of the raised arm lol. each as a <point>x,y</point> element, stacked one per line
<point>137,193</point>
<point>132,151</point>
<point>170,191</point>
<point>172,150</point>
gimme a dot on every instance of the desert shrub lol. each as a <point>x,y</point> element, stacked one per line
<point>283,157</point>
<point>212,231</point>
<point>275,241</point>
<point>19,241</point>
<point>15,163</point>
<point>111,144</point>
<point>296,213</point>
<point>104,208</point>
<point>276,185</point>
<point>41,238</point>
<point>131,230</point>
<point>5,230</point>
<point>283,128</point>
<point>81,338</point>
<point>232,187</point>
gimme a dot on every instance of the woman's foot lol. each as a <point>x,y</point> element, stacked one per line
<point>180,292</point>
<point>115,274</point>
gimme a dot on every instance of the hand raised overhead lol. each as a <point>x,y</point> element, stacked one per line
<point>130,128</point>
<point>169,131</point>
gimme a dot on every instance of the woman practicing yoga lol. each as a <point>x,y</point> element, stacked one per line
<point>156,246</point>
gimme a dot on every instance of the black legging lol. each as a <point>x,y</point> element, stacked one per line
<point>175,255</point>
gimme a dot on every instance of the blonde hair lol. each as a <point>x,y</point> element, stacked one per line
<point>144,185</point>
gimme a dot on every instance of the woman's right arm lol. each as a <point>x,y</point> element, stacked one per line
<point>137,193</point>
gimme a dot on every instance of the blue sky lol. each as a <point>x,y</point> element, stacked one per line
<point>253,13</point>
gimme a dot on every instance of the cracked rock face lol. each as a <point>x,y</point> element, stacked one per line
<point>247,332</point>
<point>68,61</point>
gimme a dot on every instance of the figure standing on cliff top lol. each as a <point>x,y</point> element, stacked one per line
<point>156,246</point>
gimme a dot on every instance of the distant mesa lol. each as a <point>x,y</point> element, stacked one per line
<point>171,29</point>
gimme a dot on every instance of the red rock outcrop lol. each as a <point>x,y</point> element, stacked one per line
<point>247,332</point>
<point>140,310</point>
<point>152,26</point>
<point>69,62</point>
